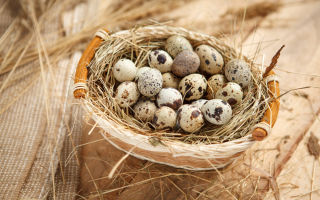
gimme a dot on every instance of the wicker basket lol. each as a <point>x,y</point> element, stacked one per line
<point>173,153</point>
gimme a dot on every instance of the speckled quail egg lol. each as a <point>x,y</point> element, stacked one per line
<point>190,118</point>
<point>170,80</point>
<point>217,111</point>
<point>169,97</point>
<point>140,71</point>
<point>238,71</point>
<point>144,110</point>
<point>124,70</point>
<point>215,82</point>
<point>160,60</point>
<point>150,82</point>
<point>211,61</point>
<point>165,117</point>
<point>193,86</point>
<point>127,94</point>
<point>231,93</point>
<point>199,103</point>
<point>185,63</point>
<point>175,44</point>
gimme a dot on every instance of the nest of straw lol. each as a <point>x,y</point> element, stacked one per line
<point>136,44</point>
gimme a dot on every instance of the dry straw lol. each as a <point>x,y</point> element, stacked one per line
<point>120,14</point>
<point>217,145</point>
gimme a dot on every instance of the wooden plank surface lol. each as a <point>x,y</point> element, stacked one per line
<point>300,33</point>
<point>282,161</point>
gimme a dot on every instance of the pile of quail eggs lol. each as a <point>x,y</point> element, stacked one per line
<point>182,87</point>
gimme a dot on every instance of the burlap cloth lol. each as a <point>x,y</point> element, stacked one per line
<point>39,131</point>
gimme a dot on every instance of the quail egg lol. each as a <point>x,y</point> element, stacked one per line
<point>199,103</point>
<point>144,110</point>
<point>127,94</point>
<point>231,93</point>
<point>217,111</point>
<point>175,44</point>
<point>160,60</point>
<point>165,117</point>
<point>140,71</point>
<point>150,82</point>
<point>215,82</point>
<point>185,63</point>
<point>190,118</point>
<point>169,97</point>
<point>193,86</point>
<point>124,70</point>
<point>170,80</point>
<point>238,71</point>
<point>211,61</point>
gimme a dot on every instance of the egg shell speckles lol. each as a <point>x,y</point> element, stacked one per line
<point>170,80</point>
<point>144,110</point>
<point>150,82</point>
<point>164,117</point>
<point>238,71</point>
<point>124,70</point>
<point>231,93</point>
<point>190,118</point>
<point>140,71</point>
<point>160,60</point>
<point>176,44</point>
<point>217,111</point>
<point>215,82</point>
<point>211,61</point>
<point>127,94</point>
<point>199,103</point>
<point>185,63</point>
<point>169,97</point>
<point>193,86</point>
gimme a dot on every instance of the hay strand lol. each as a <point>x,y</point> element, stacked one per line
<point>273,62</point>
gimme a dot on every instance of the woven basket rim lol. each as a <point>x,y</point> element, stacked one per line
<point>177,149</point>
